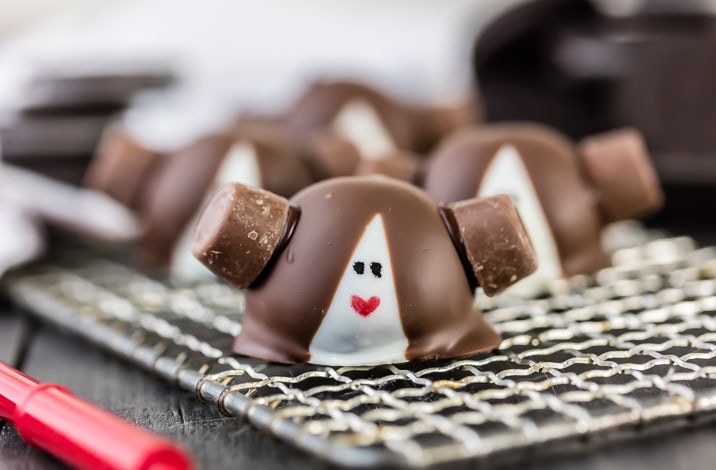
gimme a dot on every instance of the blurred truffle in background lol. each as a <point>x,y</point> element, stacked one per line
<point>589,66</point>
<point>566,193</point>
<point>328,132</point>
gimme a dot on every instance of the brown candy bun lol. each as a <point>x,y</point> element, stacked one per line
<point>239,231</point>
<point>618,164</point>
<point>328,155</point>
<point>282,170</point>
<point>121,167</point>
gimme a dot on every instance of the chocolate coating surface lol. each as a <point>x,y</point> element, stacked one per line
<point>344,128</point>
<point>430,124</point>
<point>411,127</point>
<point>322,103</point>
<point>121,167</point>
<point>570,205</point>
<point>329,155</point>
<point>434,297</point>
<point>403,166</point>
<point>282,171</point>
<point>183,181</point>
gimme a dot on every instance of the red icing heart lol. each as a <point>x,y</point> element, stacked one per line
<point>364,307</point>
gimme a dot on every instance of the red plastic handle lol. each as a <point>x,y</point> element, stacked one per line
<point>14,387</point>
<point>52,418</point>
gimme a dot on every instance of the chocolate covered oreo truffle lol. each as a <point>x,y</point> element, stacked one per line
<point>566,194</point>
<point>361,270</point>
<point>167,189</point>
<point>368,119</point>
<point>189,176</point>
<point>341,124</point>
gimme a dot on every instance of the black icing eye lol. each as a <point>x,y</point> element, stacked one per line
<point>359,267</point>
<point>376,269</point>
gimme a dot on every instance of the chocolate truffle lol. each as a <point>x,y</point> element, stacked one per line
<point>565,193</point>
<point>361,270</point>
<point>369,119</point>
<point>348,122</point>
<point>186,179</point>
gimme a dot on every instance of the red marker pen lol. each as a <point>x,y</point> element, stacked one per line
<point>52,418</point>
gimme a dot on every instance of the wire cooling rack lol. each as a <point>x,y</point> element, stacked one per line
<point>633,347</point>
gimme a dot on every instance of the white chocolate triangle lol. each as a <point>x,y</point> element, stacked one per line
<point>359,122</point>
<point>506,174</point>
<point>240,165</point>
<point>345,337</point>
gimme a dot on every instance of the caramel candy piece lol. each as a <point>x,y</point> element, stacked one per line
<point>618,164</point>
<point>121,167</point>
<point>240,230</point>
<point>494,240</point>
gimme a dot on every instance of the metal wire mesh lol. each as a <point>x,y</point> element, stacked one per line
<point>634,345</point>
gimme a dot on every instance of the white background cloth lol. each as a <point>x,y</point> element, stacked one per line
<point>258,55</point>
